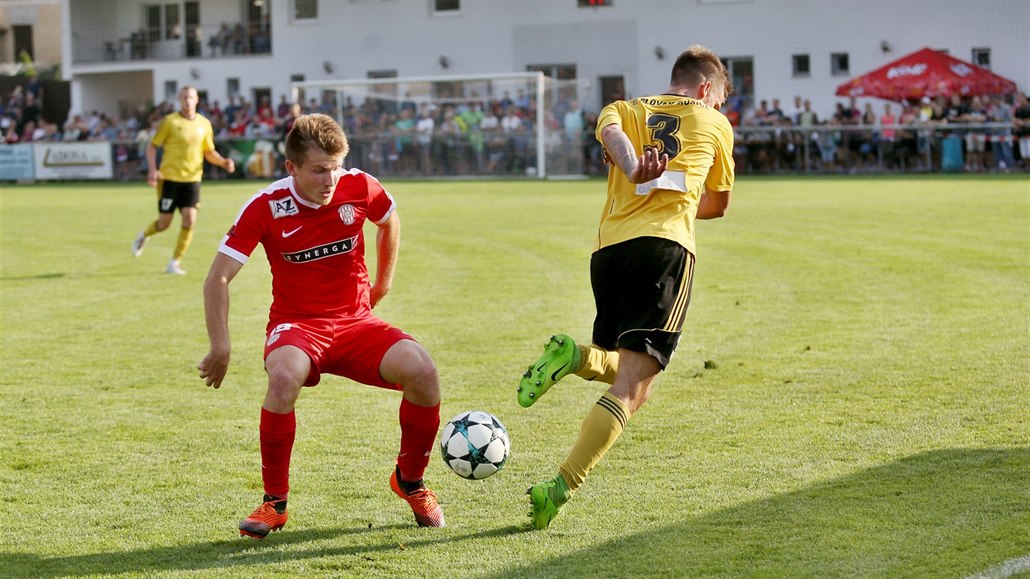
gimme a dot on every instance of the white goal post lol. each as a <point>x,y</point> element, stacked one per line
<point>441,126</point>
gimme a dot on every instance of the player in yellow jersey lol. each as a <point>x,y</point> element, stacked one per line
<point>186,140</point>
<point>671,161</point>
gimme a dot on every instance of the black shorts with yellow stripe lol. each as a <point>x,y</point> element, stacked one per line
<point>641,290</point>
<point>174,195</point>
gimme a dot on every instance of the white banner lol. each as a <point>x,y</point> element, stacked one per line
<point>56,161</point>
<point>15,162</point>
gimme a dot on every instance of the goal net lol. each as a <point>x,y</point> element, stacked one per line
<point>490,125</point>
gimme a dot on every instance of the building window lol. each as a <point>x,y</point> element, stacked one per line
<point>305,9</point>
<point>593,3</point>
<point>612,89</point>
<point>446,6</point>
<point>22,39</point>
<point>800,65</point>
<point>173,30</point>
<point>171,91</point>
<point>232,87</point>
<point>839,64</point>
<point>742,73</point>
<point>299,96</point>
<point>982,57</point>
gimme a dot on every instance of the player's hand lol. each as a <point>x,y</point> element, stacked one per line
<point>153,177</point>
<point>650,166</point>
<point>376,294</point>
<point>230,165</point>
<point>213,368</point>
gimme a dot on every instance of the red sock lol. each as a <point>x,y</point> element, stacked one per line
<point>277,434</point>
<point>418,436</point>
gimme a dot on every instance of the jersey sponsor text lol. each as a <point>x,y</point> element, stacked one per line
<point>322,251</point>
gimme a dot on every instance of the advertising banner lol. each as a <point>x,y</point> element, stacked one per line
<point>16,162</point>
<point>57,161</point>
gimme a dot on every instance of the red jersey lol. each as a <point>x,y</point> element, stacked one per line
<point>316,252</point>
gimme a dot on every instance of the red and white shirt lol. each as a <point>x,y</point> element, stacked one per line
<point>316,252</point>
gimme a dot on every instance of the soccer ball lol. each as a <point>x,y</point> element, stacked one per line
<point>475,444</point>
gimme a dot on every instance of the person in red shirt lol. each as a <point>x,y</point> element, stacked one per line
<point>321,321</point>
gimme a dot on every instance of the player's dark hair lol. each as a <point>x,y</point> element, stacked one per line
<point>315,130</point>
<point>698,64</point>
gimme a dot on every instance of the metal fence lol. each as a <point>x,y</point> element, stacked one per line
<point>821,149</point>
<point>876,149</point>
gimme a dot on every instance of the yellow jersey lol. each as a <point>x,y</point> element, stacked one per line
<point>184,141</point>
<point>699,142</point>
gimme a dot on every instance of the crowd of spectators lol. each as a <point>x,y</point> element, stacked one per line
<point>992,131</point>
<point>404,137</point>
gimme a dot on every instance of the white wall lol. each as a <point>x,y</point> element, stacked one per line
<point>357,36</point>
<point>103,92</point>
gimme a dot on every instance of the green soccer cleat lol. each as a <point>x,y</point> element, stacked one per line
<point>560,357</point>
<point>546,499</point>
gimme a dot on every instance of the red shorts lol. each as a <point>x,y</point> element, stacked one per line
<point>348,347</point>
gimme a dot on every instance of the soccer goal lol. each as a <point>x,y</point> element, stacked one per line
<point>501,125</point>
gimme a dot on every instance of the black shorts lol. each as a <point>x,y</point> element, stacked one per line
<point>641,290</point>
<point>175,195</point>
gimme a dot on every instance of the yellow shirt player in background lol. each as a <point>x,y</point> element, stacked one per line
<point>186,140</point>
<point>672,163</point>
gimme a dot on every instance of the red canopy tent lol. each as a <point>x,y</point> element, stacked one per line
<point>926,73</point>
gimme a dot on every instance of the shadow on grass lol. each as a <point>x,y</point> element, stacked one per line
<point>940,513</point>
<point>54,275</point>
<point>87,275</point>
<point>936,514</point>
<point>228,554</point>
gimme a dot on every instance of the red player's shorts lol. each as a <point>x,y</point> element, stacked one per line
<point>348,347</point>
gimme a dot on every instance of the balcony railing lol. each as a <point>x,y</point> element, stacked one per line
<point>217,41</point>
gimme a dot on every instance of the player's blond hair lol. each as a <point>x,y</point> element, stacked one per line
<point>315,130</point>
<point>698,64</point>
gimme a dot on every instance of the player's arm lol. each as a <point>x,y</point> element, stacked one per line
<point>152,173</point>
<point>216,313</point>
<point>216,158</point>
<point>713,204</point>
<point>388,242</point>
<point>638,169</point>
<point>715,200</point>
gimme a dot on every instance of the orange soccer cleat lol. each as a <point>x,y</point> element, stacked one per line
<point>270,516</point>
<point>423,503</point>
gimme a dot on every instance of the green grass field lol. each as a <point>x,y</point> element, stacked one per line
<point>850,397</point>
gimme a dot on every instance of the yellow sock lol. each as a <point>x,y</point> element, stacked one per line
<point>601,428</point>
<point>185,238</point>
<point>597,364</point>
<point>151,229</point>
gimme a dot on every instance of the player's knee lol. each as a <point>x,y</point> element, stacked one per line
<point>280,401</point>
<point>421,376</point>
<point>285,373</point>
<point>282,392</point>
<point>419,379</point>
<point>286,376</point>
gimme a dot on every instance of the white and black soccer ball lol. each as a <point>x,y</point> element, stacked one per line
<point>475,444</point>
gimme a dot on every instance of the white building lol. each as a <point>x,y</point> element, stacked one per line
<point>122,53</point>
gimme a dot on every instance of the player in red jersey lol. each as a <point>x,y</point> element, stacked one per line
<point>321,321</point>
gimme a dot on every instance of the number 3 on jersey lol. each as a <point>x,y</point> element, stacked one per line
<point>663,134</point>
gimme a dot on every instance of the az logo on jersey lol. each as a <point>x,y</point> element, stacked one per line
<point>283,207</point>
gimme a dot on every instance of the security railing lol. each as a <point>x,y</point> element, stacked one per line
<point>209,41</point>
<point>921,147</point>
<point>822,149</point>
